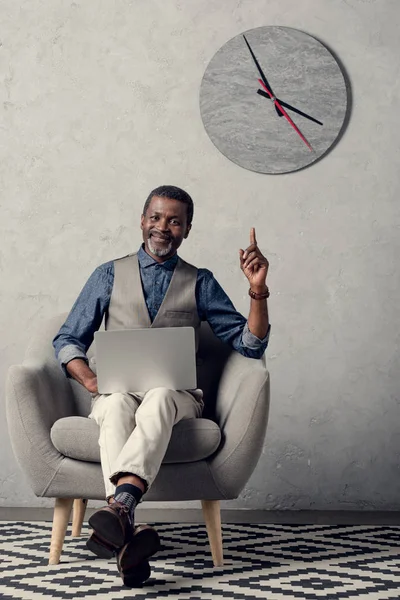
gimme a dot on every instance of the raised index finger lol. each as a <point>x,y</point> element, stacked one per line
<point>253,236</point>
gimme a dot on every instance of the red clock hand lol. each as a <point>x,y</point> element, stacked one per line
<point>283,111</point>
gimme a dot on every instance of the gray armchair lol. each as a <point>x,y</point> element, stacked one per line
<point>210,459</point>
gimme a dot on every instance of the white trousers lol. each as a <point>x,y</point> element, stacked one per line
<point>135,430</point>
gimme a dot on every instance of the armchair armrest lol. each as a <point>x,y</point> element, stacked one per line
<point>242,409</point>
<point>37,394</point>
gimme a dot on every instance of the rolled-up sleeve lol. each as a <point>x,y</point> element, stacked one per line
<point>76,334</point>
<point>249,340</point>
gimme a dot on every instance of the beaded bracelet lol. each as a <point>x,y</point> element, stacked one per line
<point>256,296</point>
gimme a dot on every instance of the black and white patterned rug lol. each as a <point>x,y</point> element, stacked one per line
<point>272,562</point>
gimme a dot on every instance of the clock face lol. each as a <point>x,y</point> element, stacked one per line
<point>273,99</point>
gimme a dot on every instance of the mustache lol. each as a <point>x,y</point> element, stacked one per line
<point>160,235</point>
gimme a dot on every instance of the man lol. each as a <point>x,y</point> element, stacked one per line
<point>152,287</point>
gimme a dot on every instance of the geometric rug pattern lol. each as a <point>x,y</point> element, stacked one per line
<point>270,562</point>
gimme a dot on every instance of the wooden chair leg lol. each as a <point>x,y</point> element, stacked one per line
<point>78,515</point>
<point>212,517</point>
<point>62,512</point>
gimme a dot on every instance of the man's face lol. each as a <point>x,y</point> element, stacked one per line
<point>164,227</point>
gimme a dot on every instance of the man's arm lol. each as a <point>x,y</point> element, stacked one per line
<point>258,320</point>
<point>76,334</point>
<point>227,323</point>
<point>255,266</point>
<point>79,370</point>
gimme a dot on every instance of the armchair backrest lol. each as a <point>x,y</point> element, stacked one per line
<point>213,356</point>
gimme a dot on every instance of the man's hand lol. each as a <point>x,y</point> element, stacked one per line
<point>254,264</point>
<point>80,371</point>
<point>91,385</point>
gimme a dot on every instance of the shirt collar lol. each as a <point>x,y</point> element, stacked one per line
<point>145,260</point>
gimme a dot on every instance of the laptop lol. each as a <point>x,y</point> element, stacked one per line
<point>137,360</point>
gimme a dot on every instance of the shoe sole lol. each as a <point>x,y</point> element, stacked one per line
<point>109,536</point>
<point>137,576</point>
<point>133,557</point>
<point>99,547</point>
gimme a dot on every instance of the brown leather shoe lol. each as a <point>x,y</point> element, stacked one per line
<point>137,576</point>
<point>132,559</point>
<point>100,547</point>
<point>112,529</point>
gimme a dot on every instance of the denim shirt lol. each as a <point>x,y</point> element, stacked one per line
<point>213,305</point>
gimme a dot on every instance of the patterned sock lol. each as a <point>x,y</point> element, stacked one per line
<point>130,495</point>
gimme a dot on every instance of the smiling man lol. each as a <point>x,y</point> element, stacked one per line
<point>151,287</point>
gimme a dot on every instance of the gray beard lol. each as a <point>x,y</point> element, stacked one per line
<point>159,252</point>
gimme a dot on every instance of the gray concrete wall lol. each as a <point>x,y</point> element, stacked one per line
<point>99,104</point>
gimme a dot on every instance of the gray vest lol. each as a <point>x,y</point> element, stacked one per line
<point>128,310</point>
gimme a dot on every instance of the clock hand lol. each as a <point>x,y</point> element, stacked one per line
<point>286,105</point>
<point>262,93</point>
<point>264,83</point>
<point>299,112</point>
<point>277,103</point>
<point>265,80</point>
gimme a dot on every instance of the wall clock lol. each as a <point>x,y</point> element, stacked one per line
<point>273,99</point>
